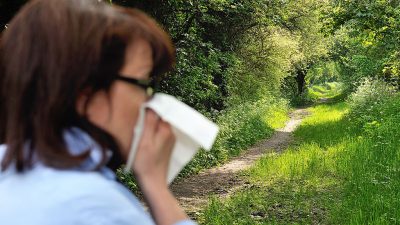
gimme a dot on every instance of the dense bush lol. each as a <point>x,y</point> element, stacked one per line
<point>369,102</point>
<point>323,72</point>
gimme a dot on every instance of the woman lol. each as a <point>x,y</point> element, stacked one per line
<point>73,75</point>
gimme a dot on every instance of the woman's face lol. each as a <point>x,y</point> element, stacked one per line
<point>117,113</point>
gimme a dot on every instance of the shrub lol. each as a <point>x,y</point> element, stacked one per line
<point>369,100</point>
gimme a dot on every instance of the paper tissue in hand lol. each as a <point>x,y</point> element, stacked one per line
<point>191,129</point>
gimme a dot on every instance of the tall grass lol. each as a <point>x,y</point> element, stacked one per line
<point>343,169</point>
<point>372,163</point>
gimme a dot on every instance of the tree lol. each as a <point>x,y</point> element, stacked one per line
<point>367,38</point>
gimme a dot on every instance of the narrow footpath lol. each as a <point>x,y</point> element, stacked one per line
<point>193,192</point>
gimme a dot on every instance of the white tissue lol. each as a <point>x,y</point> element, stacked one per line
<point>191,129</point>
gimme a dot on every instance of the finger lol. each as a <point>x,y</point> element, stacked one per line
<point>164,131</point>
<point>150,123</point>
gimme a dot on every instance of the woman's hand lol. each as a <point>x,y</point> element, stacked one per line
<point>154,150</point>
<point>151,166</point>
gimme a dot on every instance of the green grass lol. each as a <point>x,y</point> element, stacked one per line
<point>337,172</point>
<point>276,117</point>
<point>330,90</point>
<point>326,92</point>
<point>372,167</point>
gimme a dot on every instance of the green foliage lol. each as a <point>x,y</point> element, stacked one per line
<point>320,93</point>
<point>371,96</point>
<point>195,80</point>
<point>366,39</point>
<point>323,72</point>
<point>263,70</point>
<point>231,52</point>
<point>373,192</point>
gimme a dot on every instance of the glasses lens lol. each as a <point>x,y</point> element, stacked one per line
<point>148,85</point>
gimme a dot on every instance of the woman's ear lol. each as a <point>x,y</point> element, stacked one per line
<point>82,101</point>
<point>95,106</point>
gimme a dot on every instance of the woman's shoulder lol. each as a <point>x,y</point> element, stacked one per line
<point>70,195</point>
<point>75,185</point>
<point>99,200</point>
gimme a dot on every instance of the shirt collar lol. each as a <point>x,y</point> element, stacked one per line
<point>78,141</point>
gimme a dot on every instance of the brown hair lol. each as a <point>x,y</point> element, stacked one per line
<point>52,51</point>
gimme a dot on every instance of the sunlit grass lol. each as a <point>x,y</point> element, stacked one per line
<point>326,126</point>
<point>337,172</point>
<point>325,91</point>
<point>276,117</point>
<point>298,186</point>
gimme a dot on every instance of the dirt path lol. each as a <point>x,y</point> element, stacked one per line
<point>193,192</point>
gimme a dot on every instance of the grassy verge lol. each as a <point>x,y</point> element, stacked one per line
<point>340,171</point>
<point>298,186</point>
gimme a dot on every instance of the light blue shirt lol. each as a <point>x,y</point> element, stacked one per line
<point>48,196</point>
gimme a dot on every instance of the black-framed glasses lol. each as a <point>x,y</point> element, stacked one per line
<point>148,85</point>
